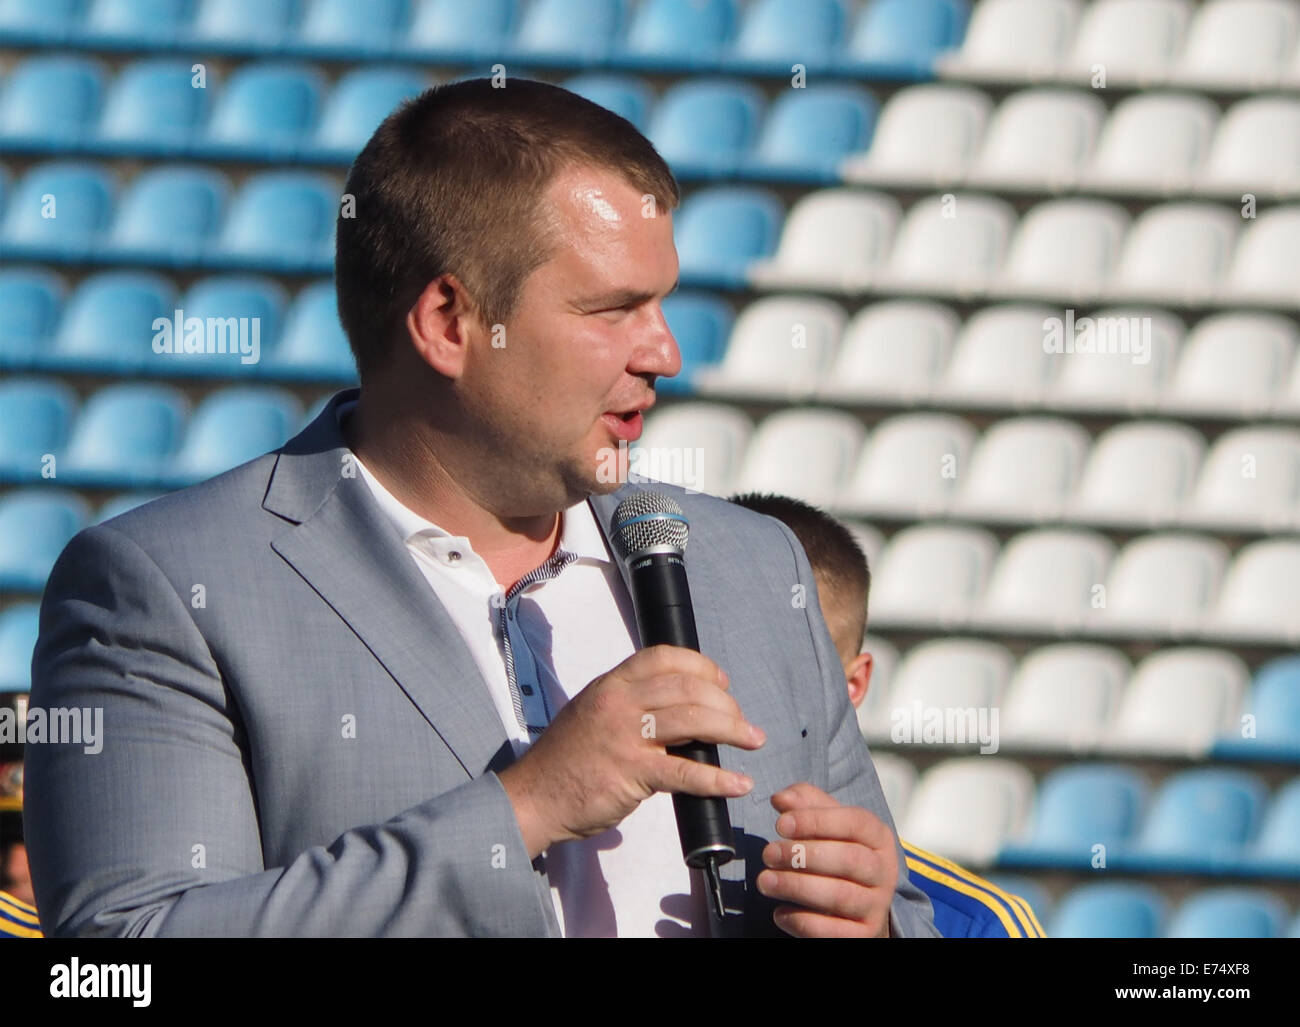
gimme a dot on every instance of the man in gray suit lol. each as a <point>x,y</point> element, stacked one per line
<point>384,680</point>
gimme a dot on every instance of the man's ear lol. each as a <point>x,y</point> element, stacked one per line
<point>858,676</point>
<point>439,325</point>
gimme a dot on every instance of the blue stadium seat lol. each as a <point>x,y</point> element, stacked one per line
<point>1277,852</point>
<point>452,30</point>
<point>701,324</point>
<point>241,317</point>
<point>108,324</point>
<point>233,426</point>
<point>65,227</point>
<point>359,102</point>
<point>903,38</point>
<point>707,127</point>
<point>123,502</point>
<point>125,437</point>
<point>264,112</point>
<point>1274,704</point>
<point>32,299</point>
<point>776,35</point>
<point>35,418</point>
<point>569,31</point>
<point>51,103</point>
<point>349,30</point>
<point>19,626</point>
<point>278,221</point>
<point>38,22</point>
<point>35,524</point>
<point>678,34</point>
<point>134,24</point>
<point>1229,913</point>
<point>169,215</point>
<point>1079,807</point>
<point>1110,910</point>
<point>809,131</point>
<point>314,346</point>
<point>1200,820</point>
<point>627,97</point>
<point>152,108</point>
<point>721,230</point>
<point>242,26</point>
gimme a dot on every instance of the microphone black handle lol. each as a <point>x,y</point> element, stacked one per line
<point>665,616</point>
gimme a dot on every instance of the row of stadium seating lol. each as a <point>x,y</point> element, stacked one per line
<point>1126,909</point>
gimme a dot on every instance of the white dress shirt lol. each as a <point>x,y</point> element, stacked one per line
<point>629,881</point>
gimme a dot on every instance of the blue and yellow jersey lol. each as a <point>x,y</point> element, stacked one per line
<point>17,919</point>
<point>967,906</point>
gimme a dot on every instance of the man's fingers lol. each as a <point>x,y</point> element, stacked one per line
<point>830,895</point>
<point>844,860</point>
<point>805,793</point>
<point>673,659</point>
<point>680,724</point>
<point>805,923</point>
<point>843,823</point>
<point>678,774</point>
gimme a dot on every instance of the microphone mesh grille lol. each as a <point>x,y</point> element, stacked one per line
<point>647,520</point>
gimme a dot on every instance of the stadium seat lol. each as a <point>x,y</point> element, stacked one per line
<point>808,132</point>
<point>1229,913</point>
<point>1122,360</point>
<point>678,34</point>
<point>1063,697</point>
<point>133,24</point>
<point>569,31</point>
<point>833,239</point>
<point>121,503</point>
<point>780,347</point>
<point>19,626</point>
<point>925,134</point>
<point>696,445</point>
<point>1064,249</point>
<point>314,346</point>
<point>57,212</point>
<point>998,359</point>
<point>38,22</point>
<point>1046,580</point>
<point>241,318</point>
<point>1231,364</point>
<point>1138,473</point>
<point>265,111</point>
<point>1038,140</point>
<point>108,324</point>
<point>35,524</point>
<point>358,103</point>
<point>873,712</point>
<point>965,809</point>
<point>153,109</point>
<point>1270,723</point>
<point>32,299</point>
<point>1077,809</point>
<point>951,244</point>
<point>230,427</point>
<point>803,453</point>
<point>1256,151</point>
<point>1258,599</point>
<point>242,26</point>
<point>452,30</point>
<point>168,215</point>
<point>1022,469</point>
<point>125,437</point>
<point>1162,586</point>
<point>1134,41</point>
<point>962,679</point>
<point>1200,820</point>
<point>904,38</point>
<point>278,221</point>
<point>1250,479</point>
<point>776,35</point>
<point>909,467</point>
<point>50,103</point>
<point>626,96</point>
<point>897,781</point>
<point>1152,143</point>
<point>1178,702</point>
<point>868,539</point>
<point>347,30</point>
<point>701,323</point>
<point>1238,45</point>
<point>1014,40</point>
<point>705,128</point>
<point>892,352</point>
<point>722,230</point>
<point>1277,850</point>
<point>1263,268</point>
<point>1176,253</point>
<point>931,574</point>
<point>35,419</point>
<point>1112,909</point>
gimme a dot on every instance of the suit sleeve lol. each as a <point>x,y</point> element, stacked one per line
<point>157,834</point>
<point>852,777</point>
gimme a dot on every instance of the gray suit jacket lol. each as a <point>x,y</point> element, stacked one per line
<point>296,740</point>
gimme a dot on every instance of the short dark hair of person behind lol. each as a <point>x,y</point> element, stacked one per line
<point>833,552</point>
<point>452,183</point>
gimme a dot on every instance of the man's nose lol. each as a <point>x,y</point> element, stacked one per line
<point>657,352</point>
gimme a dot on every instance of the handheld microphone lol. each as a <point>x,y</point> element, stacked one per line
<point>650,531</point>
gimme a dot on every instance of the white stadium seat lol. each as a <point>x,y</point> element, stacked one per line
<point>1125,367</point>
<point>1178,702</point>
<point>832,239</point>
<point>1046,580</point>
<point>1064,696</point>
<point>1023,469</point>
<point>1152,143</point>
<point>1259,598</point>
<point>873,714</point>
<point>910,466</point>
<point>1135,41</point>
<point>780,347</point>
<point>1256,150</point>
<point>931,574</point>
<point>1265,266</point>
<point>892,351</point>
<point>1065,249</point>
<point>949,675</point>
<point>926,135</point>
<point>869,540</point>
<point>1250,480</point>
<point>804,453</point>
<point>1038,139</point>
<point>951,244</point>
<point>1238,44</point>
<point>1232,363</point>
<point>897,781</point>
<point>1176,253</point>
<point>707,441</point>
<point>1162,585</point>
<point>1138,473</point>
<point>1014,40</point>
<point>966,809</point>
<point>999,359</point>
